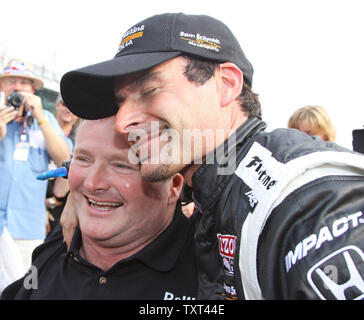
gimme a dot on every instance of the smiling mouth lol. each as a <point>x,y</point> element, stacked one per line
<point>104,206</point>
<point>146,133</point>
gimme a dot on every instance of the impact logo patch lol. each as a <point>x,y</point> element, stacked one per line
<point>326,234</point>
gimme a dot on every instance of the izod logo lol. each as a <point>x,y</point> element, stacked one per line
<point>227,245</point>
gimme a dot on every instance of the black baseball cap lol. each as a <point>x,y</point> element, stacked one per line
<point>89,92</point>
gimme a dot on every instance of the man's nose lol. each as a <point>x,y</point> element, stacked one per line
<point>96,179</point>
<point>17,86</point>
<point>129,118</point>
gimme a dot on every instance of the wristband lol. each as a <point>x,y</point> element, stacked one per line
<point>44,120</point>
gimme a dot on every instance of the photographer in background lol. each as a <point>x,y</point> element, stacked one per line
<point>29,137</point>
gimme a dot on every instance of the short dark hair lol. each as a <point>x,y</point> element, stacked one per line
<point>199,71</point>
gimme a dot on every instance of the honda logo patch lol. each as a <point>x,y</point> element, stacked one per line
<point>338,276</point>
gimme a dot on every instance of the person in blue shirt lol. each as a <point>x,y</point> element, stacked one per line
<point>29,137</point>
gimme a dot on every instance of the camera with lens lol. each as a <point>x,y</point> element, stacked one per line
<point>15,99</point>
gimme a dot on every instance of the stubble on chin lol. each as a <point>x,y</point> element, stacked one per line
<point>160,172</point>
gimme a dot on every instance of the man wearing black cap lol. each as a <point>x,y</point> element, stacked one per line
<point>281,213</point>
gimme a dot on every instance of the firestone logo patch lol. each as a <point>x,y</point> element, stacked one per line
<point>263,176</point>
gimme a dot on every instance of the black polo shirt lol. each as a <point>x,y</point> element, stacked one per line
<point>165,269</point>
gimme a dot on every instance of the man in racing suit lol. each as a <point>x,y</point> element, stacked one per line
<point>281,213</point>
<point>288,224</point>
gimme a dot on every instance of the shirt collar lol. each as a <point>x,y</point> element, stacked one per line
<point>210,178</point>
<point>163,252</point>
<point>76,243</point>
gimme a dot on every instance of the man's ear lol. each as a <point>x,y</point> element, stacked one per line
<point>175,188</point>
<point>231,82</point>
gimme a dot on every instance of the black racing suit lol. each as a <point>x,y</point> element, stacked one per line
<point>309,246</point>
